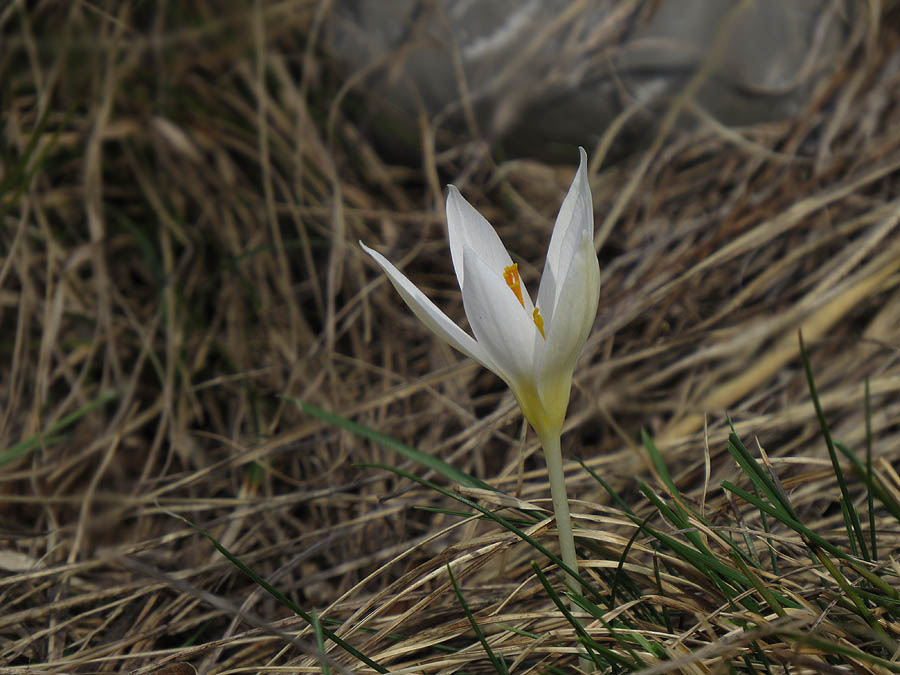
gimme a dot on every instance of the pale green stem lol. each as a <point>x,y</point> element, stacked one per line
<point>553,455</point>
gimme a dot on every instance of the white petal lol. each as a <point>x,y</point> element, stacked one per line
<point>576,216</point>
<point>428,313</point>
<point>469,228</point>
<point>572,322</point>
<point>501,325</point>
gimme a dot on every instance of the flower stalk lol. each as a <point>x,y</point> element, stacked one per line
<point>553,457</point>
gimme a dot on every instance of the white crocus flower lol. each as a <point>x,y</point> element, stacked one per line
<point>531,346</point>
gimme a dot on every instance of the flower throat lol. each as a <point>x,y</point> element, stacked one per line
<point>512,279</point>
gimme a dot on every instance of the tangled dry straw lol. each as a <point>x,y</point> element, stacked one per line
<point>181,197</point>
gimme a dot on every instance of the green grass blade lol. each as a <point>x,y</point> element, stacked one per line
<point>278,595</point>
<point>700,556</point>
<point>836,465</point>
<point>773,556</point>
<point>500,520</point>
<point>759,476</point>
<point>657,461</point>
<point>835,647</point>
<point>499,664</point>
<point>40,439</point>
<point>870,497</point>
<point>810,537</point>
<point>435,464</point>
<point>589,644</point>
<point>620,568</point>
<point>814,542</point>
<point>875,487</point>
<point>720,575</point>
<point>17,177</point>
<point>617,498</point>
<point>657,577</point>
<point>850,592</point>
<point>684,511</point>
<point>761,656</point>
<point>848,526</point>
<point>761,588</point>
<point>320,641</point>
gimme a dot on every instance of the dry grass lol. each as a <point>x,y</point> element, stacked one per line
<point>181,197</point>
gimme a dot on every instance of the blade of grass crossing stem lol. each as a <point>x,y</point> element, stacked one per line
<point>320,640</point>
<point>870,498</point>
<point>498,663</point>
<point>836,465</point>
<point>628,512</point>
<point>38,440</point>
<point>500,520</point>
<point>278,595</point>
<point>619,627</point>
<point>448,471</point>
<point>578,599</point>
<point>590,645</point>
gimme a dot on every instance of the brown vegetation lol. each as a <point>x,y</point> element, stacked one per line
<point>181,200</point>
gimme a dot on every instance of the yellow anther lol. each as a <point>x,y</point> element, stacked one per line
<point>538,321</point>
<point>511,276</point>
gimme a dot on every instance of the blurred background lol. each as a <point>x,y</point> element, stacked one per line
<point>182,189</point>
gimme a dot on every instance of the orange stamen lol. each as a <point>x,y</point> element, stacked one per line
<point>511,276</point>
<point>538,321</point>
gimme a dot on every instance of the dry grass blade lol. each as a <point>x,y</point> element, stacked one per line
<point>182,187</point>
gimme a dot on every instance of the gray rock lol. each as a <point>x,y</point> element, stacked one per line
<point>540,73</point>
